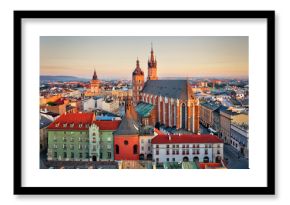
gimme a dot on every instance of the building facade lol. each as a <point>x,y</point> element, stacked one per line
<point>178,148</point>
<point>240,138</point>
<point>126,137</point>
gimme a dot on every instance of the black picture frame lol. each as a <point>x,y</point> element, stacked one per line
<point>268,190</point>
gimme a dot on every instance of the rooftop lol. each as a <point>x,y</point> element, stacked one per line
<point>72,121</point>
<point>144,109</point>
<point>107,125</point>
<point>178,89</point>
<point>186,138</point>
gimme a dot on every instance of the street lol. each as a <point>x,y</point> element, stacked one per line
<point>234,159</point>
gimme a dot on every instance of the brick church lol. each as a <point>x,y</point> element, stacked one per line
<point>169,102</point>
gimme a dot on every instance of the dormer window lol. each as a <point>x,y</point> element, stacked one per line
<point>64,124</point>
<point>56,124</point>
<point>80,125</point>
<point>87,125</point>
<point>72,125</point>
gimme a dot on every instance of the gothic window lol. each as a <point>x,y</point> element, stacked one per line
<point>183,116</point>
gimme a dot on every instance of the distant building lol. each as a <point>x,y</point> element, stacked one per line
<point>207,116</point>
<point>94,86</point>
<point>193,147</point>
<point>88,105</point>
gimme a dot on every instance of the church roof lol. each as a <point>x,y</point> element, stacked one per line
<point>127,127</point>
<point>178,89</point>
<point>138,70</point>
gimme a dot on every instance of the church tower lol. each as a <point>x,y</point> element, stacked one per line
<point>152,66</point>
<point>95,84</point>
<point>137,82</point>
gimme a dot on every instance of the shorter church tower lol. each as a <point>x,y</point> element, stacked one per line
<point>137,82</point>
<point>152,66</point>
<point>95,84</point>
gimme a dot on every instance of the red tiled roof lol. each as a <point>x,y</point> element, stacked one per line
<point>107,125</point>
<point>186,138</point>
<point>73,121</point>
<point>203,165</point>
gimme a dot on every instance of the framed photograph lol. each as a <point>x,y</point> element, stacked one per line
<point>144,102</point>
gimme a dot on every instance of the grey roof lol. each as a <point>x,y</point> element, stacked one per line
<point>178,89</point>
<point>212,106</point>
<point>44,122</point>
<point>127,127</point>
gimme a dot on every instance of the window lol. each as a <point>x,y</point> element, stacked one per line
<point>218,152</point>
<point>177,152</point>
<point>64,155</point>
<point>94,140</point>
<point>183,152</point>
<point>117,149</point>
<point>109,155</point>
<point>193,151</point>
<point>157,146</point>
<point>187,146</point>
<point>206,146</point>
<point>94,147</point>
<point>54,138</point>
<point>197,151</point>
<point>167,159</point>
<point>64,146</point>
<point>80,146</point>
<point>72,155</point>
<point>135,149</point>
<point>109,139</point>
<point>173,159</point>
<point>149,149</point>
<point>55,146</point>
<point>206,151</point>
<point>55,155</point>
<point>177,146</point>
<point>81,155</point>
<point>126,142</point>
<point>71,139</point>
<point>167,146</point>
<point>142,148</point>
<point>187,151</point>
<point>167,152</point>
<point>173,152</point>
<point>149,140</point>
<point>193,146</point>
<point>157,152</point>
<point>173,146</point>
<point>72,146</point>
<point>183,146</point>
<point>109,146</point>
<point>142,141</point>
<point>87,155</point>
<point>72,125</point>
<point>101,155</point>
<point>80,139</point>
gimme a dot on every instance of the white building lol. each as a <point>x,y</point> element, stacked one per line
<point>240,138</point>
<point>187,147</point>
<point>88,105</point>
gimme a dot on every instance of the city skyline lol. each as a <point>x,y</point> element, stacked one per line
<point>115,57</point>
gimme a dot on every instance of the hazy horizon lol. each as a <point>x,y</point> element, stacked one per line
<point>115,57</point>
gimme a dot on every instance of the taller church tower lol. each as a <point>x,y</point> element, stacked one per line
<point>137,82</point>
<point>152,66</point>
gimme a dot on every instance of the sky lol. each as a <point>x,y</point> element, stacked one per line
<point>114,57</point>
